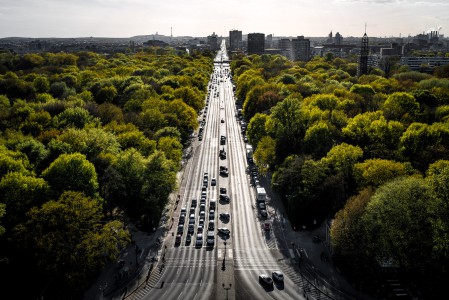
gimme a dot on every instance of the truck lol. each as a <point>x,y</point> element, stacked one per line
<point>249,151</point>
<point>261,194</point>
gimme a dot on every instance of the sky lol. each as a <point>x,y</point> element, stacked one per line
<point>311,18</point>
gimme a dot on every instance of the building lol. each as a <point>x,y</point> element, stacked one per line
<point>269,41</point>
<point>235,40</point>
<point>363,58</point>
<point>301,49</point>
<point>256,43</point>
<point>285,46</point>
<point>424,64</point>
<point>212,41</point>
<point>338,40</point>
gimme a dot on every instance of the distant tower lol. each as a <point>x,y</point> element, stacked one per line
<point>364,52</point>
<point>171,34</point>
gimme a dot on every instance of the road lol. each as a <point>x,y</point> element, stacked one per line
<point>229,268</point>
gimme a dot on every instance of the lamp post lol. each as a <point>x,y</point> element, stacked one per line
<point>227,288</point>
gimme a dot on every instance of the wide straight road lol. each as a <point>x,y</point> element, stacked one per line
<point>229,267</point>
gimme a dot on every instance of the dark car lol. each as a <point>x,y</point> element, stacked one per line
<point>266,280</point>
<point>178,239</point>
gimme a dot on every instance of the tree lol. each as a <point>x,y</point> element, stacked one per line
<point>68,241</point>
<point>318,139</point>
<point>401,106</point>
<point>397,224</point>
<point>376,172</point>
<point>256,128</point>
<point>347,233</point>
<point>72,172</point>
<point>73,116</point>
<point>265,154</point>
<point>20,193</point>
<point>191,96</point>
<point>287,127</point>
<point>171,147</point>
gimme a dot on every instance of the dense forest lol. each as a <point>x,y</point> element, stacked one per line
<point>370,154</point>
<point>88,143</point>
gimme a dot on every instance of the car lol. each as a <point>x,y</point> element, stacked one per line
<point>202,207</point>
<point>245,139</point>
<point>213,182</point>
<point>188,239</point>
<point>178,239</point>
<point>266,226</point>
<point>211,214</point>
<point>222,120</point>
<point>200,229</point>
<point>211,225</point>
<point>202,214</point>
<point>201,223</point>
<point>182,219</point>
<point>225,215</point>
<point>277,276</point>
<point>191,229</point>
<point>262,205</point>
<point>265,280</point>
<point>224,231</point>
<point>222,190</point>
<point>180,228</point>
<point>210,238</point>
<point>199,240</point>
<point>194,202</point>
<point>192,210</point>
<point>263,213</point>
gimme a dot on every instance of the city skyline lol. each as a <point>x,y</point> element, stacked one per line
<point>127,18</point>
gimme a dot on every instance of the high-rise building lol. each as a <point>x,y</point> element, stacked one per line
<point>269,41</point>
<point>301,49</point>
<point>235,40</point>
<point>212,41</point>
<point>256,43</point>
<point>363,59</point>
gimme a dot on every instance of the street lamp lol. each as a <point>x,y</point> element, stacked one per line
<point>227,289</point>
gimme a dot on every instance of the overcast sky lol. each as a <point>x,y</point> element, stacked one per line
<point>126,18</point>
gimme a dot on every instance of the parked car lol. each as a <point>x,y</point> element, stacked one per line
<point>213,182</point>
<point>266,226</point>
<point>180,228</point>
<point>178,239</point>
<point>263,213</point>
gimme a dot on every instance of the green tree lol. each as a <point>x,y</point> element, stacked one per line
<point>265,154</point>
<point>401,106</point>
<point>68,241</point>
<point>376,172</point>
<point>256,128</point>
<point>77,117</point>
<point>171,147</point>
<point>397,224</point>
<point>20,193</point>
<point>346,230</point>
<point>72,172</point>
